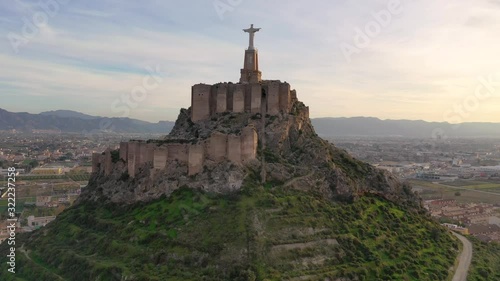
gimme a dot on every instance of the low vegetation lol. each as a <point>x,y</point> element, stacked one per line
<point>485,261</point>
<point>257,234</point>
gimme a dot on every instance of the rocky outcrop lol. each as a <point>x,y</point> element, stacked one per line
<point>289,154</point>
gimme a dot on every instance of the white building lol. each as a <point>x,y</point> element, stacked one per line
<point>36,222</point>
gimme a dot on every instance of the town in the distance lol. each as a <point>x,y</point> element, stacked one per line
<point>457,178</point>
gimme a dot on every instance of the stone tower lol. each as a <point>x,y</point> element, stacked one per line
<point>250,95</point>
<point>250,72</point>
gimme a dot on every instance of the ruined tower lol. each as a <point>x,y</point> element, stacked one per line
<point>251,96</point>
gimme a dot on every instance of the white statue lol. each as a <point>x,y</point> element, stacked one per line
<point>251,31</point>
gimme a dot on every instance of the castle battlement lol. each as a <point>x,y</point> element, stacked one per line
<point>156,155</point>
<point>250,95</point>
<point>267,97</point>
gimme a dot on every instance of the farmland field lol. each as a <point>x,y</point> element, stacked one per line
<point>19,204</point>
<point>478,192</point>
<point>483,186</point>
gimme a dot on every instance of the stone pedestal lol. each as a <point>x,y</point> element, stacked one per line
<point>250,72</point>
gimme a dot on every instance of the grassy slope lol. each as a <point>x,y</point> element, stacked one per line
<point>260,234</point>
<point>485,261</point>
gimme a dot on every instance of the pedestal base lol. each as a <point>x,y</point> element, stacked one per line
<point>250,76</point>
<point>250,72</point>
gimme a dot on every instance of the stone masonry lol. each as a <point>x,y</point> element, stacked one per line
<point>251,95</point>
<point>217,148</point>
<point>207,100</point>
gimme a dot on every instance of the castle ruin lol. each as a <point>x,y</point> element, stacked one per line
<point>250,95</point>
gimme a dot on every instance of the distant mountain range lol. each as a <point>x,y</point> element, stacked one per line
<point>68,121</point>
<point>69,114</point>
<point>367,126</point>
<point>76,122</point>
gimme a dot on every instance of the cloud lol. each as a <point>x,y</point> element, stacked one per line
<point>428,58</point>
<point>92,13</point>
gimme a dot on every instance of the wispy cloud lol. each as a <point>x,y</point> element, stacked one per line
<point>92,13</point>
<point>425,60</point>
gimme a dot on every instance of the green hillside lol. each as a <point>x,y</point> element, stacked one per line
<point>485,261</point>
<point>257,234</point>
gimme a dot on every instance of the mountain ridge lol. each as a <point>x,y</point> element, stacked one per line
<point>63,113</point>
<point>371,126</point>
<point>325,126</point>
<point>75,122</point>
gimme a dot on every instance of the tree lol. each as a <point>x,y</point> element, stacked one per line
<point>33,164</point>
<point>458,193</point>
<point>435,234</point>
<point>30,164</point>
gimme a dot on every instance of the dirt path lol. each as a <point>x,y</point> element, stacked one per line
<point>292,181</point>
<point>465,259</point>
<point>29,258</point>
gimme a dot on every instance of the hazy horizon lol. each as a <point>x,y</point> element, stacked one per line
<point>412,60</point>
<point>323,117</point>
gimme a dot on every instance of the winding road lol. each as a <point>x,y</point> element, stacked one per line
<point>464,259</point>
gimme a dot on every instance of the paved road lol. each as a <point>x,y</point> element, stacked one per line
<point>465,259</point>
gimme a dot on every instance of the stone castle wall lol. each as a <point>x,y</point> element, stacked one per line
<point>160,158</point>
<point>270,97</point>
<point>200,99</point>
<point>217,148</point>
<point>196,159</point>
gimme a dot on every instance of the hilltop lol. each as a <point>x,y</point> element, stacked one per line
<point>319,214</point>
<point>289,149</point>
<point>241,189</point>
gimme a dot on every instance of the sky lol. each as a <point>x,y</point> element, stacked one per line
<point>397,59</point>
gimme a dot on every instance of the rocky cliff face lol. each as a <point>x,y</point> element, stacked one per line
<point>290,154</point>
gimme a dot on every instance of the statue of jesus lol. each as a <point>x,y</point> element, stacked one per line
<point>251,31</point>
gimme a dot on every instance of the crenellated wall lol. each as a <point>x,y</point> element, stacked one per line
<point>249,141</point>
<point>255,98</point>
<point>266,96</point>
<point>273,98</point>
<point>108,164</point>
<point>123,151</point>
<point>285,99</point>
<point>196,159</point>
<point>238,100</point>
<point>177,151</point>
<point>102,162</point>
<point>217,148</point>
<point>221,98</point>
<point>96,159</point>
<point>132,156</point>
<point>160,158</point>
<point>200,100</point>
<point>234,148</point>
